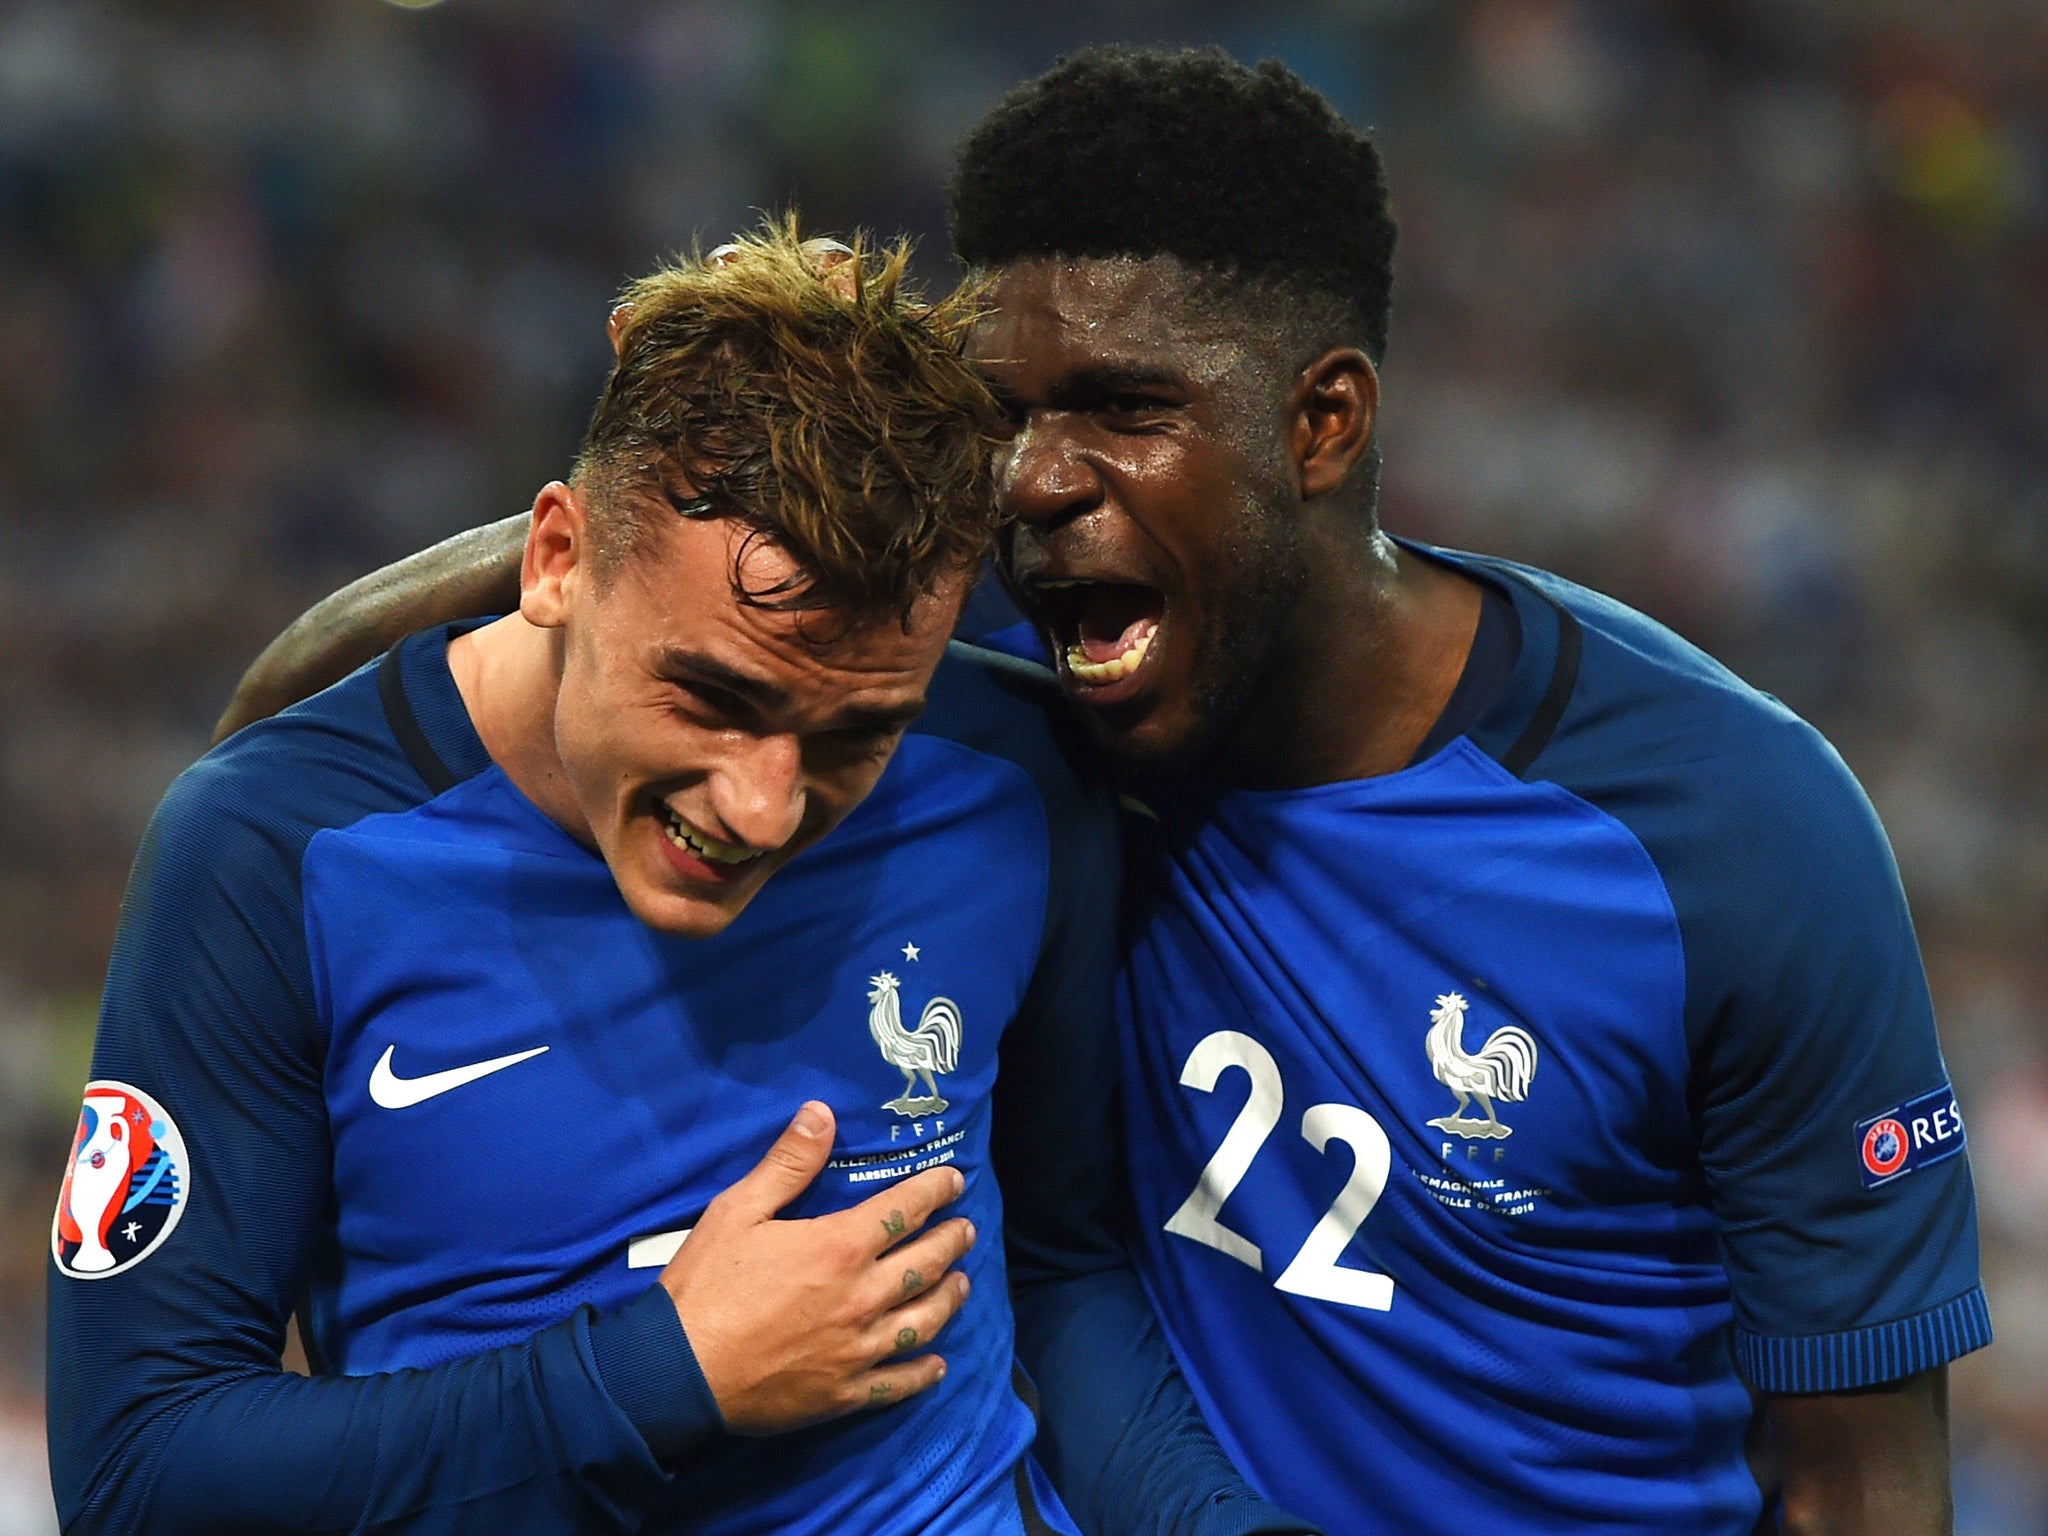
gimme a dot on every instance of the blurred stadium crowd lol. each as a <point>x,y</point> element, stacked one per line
<point>1737,309</point>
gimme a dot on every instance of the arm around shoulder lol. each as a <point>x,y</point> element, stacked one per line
<point>472,575</point>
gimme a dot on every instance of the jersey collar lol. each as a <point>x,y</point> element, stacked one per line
<point>425,710</point>
<point>1526,712</point>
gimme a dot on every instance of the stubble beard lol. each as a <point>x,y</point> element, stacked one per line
<point>1256,582</point>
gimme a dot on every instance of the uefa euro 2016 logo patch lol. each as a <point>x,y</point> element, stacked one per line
<point>125,1188</point>
<point>1919,1132</point>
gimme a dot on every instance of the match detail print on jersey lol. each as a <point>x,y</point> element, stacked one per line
<point>125,1187</point>
<point>390,1091</point>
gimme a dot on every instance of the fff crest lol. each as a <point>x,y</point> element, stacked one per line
<point>927,1052</point>
<point>1501,1070</point>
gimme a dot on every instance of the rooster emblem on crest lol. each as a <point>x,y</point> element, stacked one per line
<point>1502,1069</point>
<point>931,1049</point>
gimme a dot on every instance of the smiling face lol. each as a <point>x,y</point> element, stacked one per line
<point>1157,539</point>
<point>702,742</point>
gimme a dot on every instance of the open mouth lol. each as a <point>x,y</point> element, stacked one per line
<point>722,857</point>
<point>1103,630</point>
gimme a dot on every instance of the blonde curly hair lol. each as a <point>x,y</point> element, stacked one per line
<point>831,412</point>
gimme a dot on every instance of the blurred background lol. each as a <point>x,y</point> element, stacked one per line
<point>1737,309</point>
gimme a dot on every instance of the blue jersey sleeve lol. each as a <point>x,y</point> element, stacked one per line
<point>168,1409</point>
<point>1828,1140</point>
<point>1119,1432</point>
<point>1829,1137</point>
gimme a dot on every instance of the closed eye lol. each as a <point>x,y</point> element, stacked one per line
<point>854,744</point>
<point>1135,413</point>
<point>709,702</point>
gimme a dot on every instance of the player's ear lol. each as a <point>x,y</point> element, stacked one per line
<point>557,550</point>
<point>1332,411</point>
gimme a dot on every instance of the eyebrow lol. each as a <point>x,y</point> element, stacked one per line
<point>1098,382</point>
<point>695,666</point>
<point>1088,387</point>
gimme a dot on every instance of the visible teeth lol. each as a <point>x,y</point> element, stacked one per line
<point>1058,586</point>
<point>1096,673</point>
<point>682,836</point>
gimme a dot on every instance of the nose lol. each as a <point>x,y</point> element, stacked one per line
<point>759,791</point>
<point>1046,479</point>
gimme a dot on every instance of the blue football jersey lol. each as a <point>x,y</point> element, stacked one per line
<point>417,1072</point>
<point>1497,1124</point>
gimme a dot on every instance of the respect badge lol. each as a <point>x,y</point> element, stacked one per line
<point>1918,1132</point>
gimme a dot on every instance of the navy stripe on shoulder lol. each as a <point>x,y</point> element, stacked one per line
<point>405,727</point>
<point>1564,676</point>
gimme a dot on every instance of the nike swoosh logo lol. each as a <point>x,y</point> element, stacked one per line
<point>390,1091</point>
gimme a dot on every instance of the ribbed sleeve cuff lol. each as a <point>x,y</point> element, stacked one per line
<point>1864,1357</point>
<point>649,1370</point>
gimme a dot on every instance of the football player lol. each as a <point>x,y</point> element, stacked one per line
<point>1534,1093</point>
<point>452,1009</point>
<point>1536,1118</point>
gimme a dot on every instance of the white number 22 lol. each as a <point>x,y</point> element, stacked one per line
<point>1314,1270</point>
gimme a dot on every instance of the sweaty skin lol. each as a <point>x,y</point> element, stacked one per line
<point>696,741</point>
<point>1139,425</point>
<point>1157,445</point>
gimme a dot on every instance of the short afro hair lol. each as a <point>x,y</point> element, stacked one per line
<point>1128,152</point>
